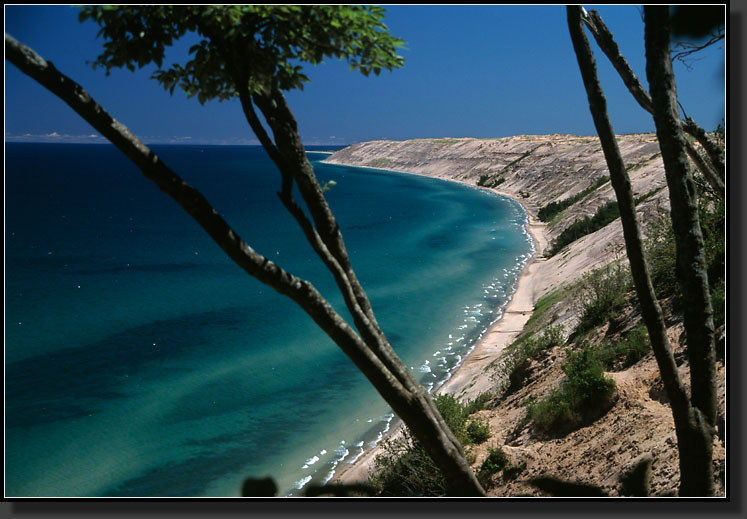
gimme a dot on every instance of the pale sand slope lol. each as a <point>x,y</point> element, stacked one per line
<point>472,378</point>
<point>562,166</point>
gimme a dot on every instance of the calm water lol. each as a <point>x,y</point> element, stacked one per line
<point>140,361</point>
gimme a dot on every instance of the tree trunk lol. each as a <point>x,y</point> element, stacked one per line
<point>691,264</point>
<point>607,43</point>
<point>423,417</point>
<point>374,357</point>
<point>687,422</point>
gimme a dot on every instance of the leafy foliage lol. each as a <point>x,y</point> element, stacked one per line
<point>494,463</point>
<point>404,468</point>
<point>627,351</point>
<point>518,354</point>
<point>645,196</point>
<point>602,294</point>
<point>547,212</point>
<point>604,215</point>
<point>659,248</point>
<point>478,431</point>
<point>478,404</point>
<point>490,180</point>
<point>258,47</point>
<point>585,392</point>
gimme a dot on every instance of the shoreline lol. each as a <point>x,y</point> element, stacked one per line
<point>470,378</point>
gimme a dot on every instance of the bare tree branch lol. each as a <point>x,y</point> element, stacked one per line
<point>713,174</point>
<point>686,49</point>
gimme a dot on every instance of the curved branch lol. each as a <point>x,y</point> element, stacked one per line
<point>606,42</point>
<point>412,404</point>
<point>651,310</point>
<point>194,203</point>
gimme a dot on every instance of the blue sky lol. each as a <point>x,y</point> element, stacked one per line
<point>471,71</point>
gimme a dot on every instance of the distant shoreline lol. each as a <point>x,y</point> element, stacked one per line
<point>470,378</point>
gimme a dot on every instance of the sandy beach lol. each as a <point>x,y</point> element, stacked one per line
<point>472,377</point>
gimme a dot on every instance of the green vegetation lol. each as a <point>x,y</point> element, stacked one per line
<point>583,396</point>
<point>661,254</point>
<point>547,212</point>
<point>639,165</point>
<point>404,468</point>
<point>379,163</point>
<point>496,179</point>
<point>604,215</point>
<point>543,305</point>
<point>659,248</point>
<point>602,295</point>
<point>478,431</point>
<point>478,404</point>
<point>627,351</point>
<point>494,463</point>
<point>490,181</point>
<point>515,162</point>
<point>647,195</point>
<point>712,215</point>
<point>517,356</point>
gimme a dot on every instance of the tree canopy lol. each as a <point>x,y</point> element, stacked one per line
<point>257,46</point>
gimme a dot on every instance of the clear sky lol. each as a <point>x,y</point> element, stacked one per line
<point>471,71</point>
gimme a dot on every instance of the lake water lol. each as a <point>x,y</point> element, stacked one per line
<point>140,361</point>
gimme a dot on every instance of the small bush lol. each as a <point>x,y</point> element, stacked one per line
<point>627,351</point>
<point>453,413</point>
<point>602,295</point>
<point>585,392</point>
<point>517,357</point>
<point>478,404</point>
<point>659,249</point>
<point>478,431</point>
<point>494,463</point>
<point>404,468</point>
<point>585,384</point>
<point>553,414</point>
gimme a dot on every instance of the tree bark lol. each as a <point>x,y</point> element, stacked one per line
<point>692,447</point>
<point>691,263</point>
<point>607,43</point>
<point>377,361</point>
<point>288,141</point>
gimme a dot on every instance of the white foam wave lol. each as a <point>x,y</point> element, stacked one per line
<point>298,485</point>
<point>310,462</point>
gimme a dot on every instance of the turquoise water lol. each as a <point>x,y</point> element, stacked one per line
<point>140,361</point>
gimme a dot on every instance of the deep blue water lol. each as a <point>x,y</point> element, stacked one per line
<point>140,361</point>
